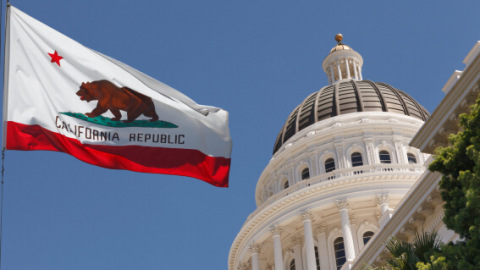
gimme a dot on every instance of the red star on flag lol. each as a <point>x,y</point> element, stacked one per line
<point>55,58</point>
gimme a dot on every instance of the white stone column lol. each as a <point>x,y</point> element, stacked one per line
<point>277,248</point>
<point>255,250</point>
<point>355,69</point>
<point>277,185</point>
<point>291,175</point>
<point>347,231</point>
<point>314,164</point>
<point>309,245</point>
<point>370,151</point>
<point>353,227</point>
<point>348,68</point>
<point>342,163</point>
<point>322,247</point>
<point>332,75</point>
<point>339,70</point>
<point>401,156</point>
<point>422,157</point>
<point>297,253</point>
<point>360,72</point>
<point>382,201</point>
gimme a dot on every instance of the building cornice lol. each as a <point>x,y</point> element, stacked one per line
<point>384,171</point>
<point>444,120</point>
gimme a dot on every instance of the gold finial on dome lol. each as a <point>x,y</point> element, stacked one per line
<point>339,38</point>
<point>342,63</point>
<point>340,46</point>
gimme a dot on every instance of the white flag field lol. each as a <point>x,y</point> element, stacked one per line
<point>62,96</point>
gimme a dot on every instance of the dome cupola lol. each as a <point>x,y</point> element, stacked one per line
<point>342,63</point>
<point>346,93</point>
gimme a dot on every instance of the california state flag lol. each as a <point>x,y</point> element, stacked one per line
<point>61,96</point>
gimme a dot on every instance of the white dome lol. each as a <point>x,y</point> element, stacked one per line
<point>331,186</point>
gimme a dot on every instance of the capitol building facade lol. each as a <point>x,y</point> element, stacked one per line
<point>349,170</point>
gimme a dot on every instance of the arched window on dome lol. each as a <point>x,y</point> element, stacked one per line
<point>411,158</point>
<point>285,184</point>
<point>339,252</point>
<point>329,165</point>
<point>305,174</point>
<point>385,157</point>
<point>367,236</point>
<point>357,159</point>
<point>317,258</point>
<point>292,265</point>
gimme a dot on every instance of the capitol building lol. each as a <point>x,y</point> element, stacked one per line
<point>349,170</point>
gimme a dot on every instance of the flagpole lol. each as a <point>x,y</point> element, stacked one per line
<point>1,205</point>
<point>5,97</point>
<point>6,60</point>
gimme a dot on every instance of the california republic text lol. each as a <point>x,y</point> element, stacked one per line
<point>89,133</point>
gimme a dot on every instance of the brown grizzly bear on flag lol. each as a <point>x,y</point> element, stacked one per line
<point>113,98</point>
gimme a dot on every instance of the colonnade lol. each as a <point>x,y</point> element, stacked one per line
<point>336,68</point>
<point>309,262</point>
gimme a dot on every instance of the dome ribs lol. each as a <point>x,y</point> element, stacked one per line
<point>346,97</point>
<point>290,127</point>
<point>315,107</point>
<point>278,142</point>
<point>324,106</point>
<point>336,102</point>
<point>418,110</point>
<point>380,96</point>
<point>370,99</point>
<point>306,115</point>
<point>392,99</point>
<point>360,106</point>
<point>395,91</point>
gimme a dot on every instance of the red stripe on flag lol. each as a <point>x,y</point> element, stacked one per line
<point>186,162</point>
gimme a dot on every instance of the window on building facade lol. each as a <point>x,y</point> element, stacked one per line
<point>339,252</point>
<point>367,236</point>
<point>385,157</point>
<point>411,158</point>
<point>305,174</point>
<point>357,159</point>
<point>285,184</point>
<point>292,264</point>
<point>317,258</point>
<point>329,165</point>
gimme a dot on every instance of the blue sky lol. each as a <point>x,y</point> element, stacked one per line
<point>256,59</point>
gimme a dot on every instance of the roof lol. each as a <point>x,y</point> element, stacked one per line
<point>348,97</point>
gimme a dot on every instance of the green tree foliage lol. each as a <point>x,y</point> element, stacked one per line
<point>460,189</point>
<point>435,263</point>
<point>406,255</point>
